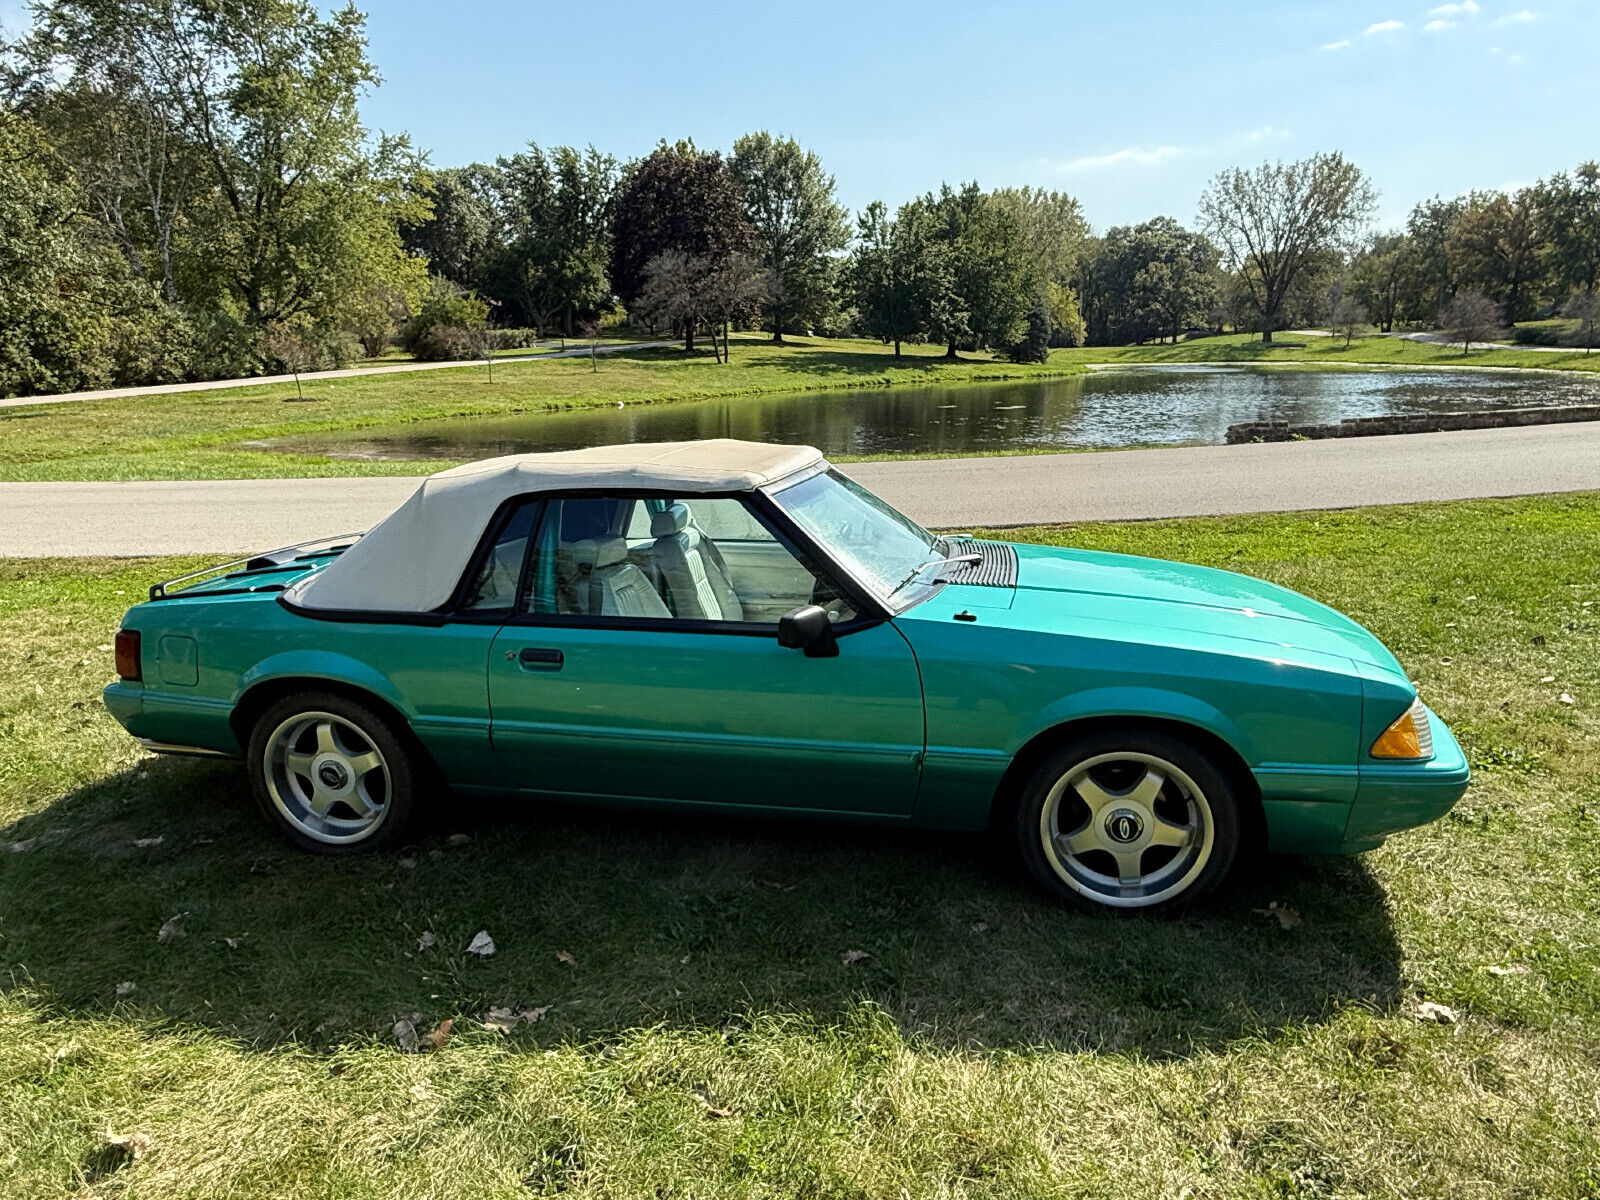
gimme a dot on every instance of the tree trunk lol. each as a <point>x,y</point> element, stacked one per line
<point>1266,334</point>
<point>950,351</point>
<point>688,337</point>
<point>897,347</point>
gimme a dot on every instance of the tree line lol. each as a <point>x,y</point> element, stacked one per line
<point>187,191</point>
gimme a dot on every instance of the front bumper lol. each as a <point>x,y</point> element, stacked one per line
<point>1391,797</point>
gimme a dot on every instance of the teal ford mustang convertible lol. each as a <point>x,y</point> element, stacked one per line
<point>735,627</point>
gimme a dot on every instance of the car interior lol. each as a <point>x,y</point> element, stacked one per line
<point>705,559</point>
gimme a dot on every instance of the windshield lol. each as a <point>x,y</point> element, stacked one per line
<point>882,548</point>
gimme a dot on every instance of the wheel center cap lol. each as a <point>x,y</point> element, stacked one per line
<point>1123,826</point>
<point>333,775</point>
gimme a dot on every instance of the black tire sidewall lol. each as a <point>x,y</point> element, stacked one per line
<point>1221,792</point>
<point>401,758</point>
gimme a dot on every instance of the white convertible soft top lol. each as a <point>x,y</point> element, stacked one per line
<point>412,559</point>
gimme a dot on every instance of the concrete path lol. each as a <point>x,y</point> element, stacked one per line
<point>212,385</point>
<point>240,516</point>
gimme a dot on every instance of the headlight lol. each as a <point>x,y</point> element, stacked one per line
<point>1409,737</point>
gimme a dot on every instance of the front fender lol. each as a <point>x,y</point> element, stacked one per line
<point>1137,702</point>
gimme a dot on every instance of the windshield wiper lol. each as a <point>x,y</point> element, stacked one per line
<point>935,562</point>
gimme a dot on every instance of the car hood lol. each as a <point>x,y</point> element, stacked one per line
<point>1148,599</point>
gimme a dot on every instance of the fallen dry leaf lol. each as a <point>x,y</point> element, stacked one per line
<point>146,843</point>
<point>127,987</point>
<point>1287,917</point>
<point>406,864</point>
<point>502,1019</point>
<point>851,957</point>
<point>428,940</point>
<point>457,839</point>
<point>21,847</point>
<point>338,1068</point>
<point>134,1145</point>
<point>233,943</point>
<point>713,1107</point>
<point>172,931</point>
<point>1427,1010</point>
<point>481,943</point>
<point>1566,698</point>
<point>405,1034</point>
<point>436,1037</point>
<point>1514,969</point>
<point>563,956</point>
<point>530,1015</point>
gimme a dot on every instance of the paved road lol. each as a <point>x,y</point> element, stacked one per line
<point>212,385</point>
<point>227,516</point>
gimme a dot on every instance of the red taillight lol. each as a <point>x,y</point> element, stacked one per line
<point>128,654</point>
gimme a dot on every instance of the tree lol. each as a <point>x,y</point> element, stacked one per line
<point>1380,276</point>
<point>58,283</point>
<point>1149,280</point>
<point>1496,244</point>
<point>898,274</point>
<point>292,349</point>
<point>1035,344</point>
<point>991,289</point>
<point>676,199</point>
<point>1432,275</point>
<point>1572,203</point>
<point>736,287</point>
<point>1471,317</point>
<point>1584,308</point>
<point>789,202</point>
<point>464,227</point>
<point>1347,315</point>
<point>1053,236</point>
<point>259,192</point>
<point>557,213</point>
<point>1274,221</point>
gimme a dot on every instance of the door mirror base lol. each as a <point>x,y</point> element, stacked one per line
<point>808,628</point>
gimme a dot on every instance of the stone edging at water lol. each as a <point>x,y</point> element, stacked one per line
<point>1499,418</point>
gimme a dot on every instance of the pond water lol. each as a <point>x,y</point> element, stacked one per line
<point>1166,405</point>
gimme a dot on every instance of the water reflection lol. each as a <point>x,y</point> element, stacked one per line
<point>1167,405</point>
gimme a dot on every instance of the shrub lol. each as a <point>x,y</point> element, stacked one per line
<point>445,304</point>
<point>445,343</point>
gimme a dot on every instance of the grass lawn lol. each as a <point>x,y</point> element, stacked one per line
<point>198,435</point>
<point>706,1039</point>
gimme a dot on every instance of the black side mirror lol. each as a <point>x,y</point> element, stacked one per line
<point>808,628</point>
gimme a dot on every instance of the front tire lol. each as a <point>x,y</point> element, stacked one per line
<point>1128,819</point>
<point>334,775</point>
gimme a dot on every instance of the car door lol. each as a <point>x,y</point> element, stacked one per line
<point>618,678</point>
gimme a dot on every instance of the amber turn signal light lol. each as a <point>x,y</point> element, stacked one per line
<point>127,645</point>
<point>1409,737</point>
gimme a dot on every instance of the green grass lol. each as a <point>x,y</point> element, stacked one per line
<point>197,435</point>
<point>992,1045</point>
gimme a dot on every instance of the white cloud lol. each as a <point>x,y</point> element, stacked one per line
<point>1262,132</point>
<point>1439,26</point>
<point>1384,27</point>
<point>1138,156</point>
<point>1465,9</point>
<point>1341,44</point>
<point>1518,18</point>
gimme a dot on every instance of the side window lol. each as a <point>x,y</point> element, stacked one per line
<point>494,586</point>
<point>653,558</point>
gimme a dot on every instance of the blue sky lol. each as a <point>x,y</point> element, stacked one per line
<point>1131,108</point>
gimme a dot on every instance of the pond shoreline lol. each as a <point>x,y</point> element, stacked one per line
<point>1501,418</point>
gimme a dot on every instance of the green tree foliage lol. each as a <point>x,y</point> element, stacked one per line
<point>440,329</point>
<point>1572,206</point>
<point>554,266</point>
<point>1276,222</point>
<point>1495,246</point>
<point>1035,344</point>
<point>676,198</point>
<point>1150,280</point>
<point>991,287</point>
<point>789,201</point>
<point>1383,278</point>
<point>465,225</point>
<point>219,146</point>
<point>899,273</point>
<point>1054,236</point>
<point>59,285</point>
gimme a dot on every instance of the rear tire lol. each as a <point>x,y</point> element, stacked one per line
<point>1128,820</point>
<point>335,776</point>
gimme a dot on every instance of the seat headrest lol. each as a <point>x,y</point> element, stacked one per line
<point>672,519</point>
<point>592,554</point>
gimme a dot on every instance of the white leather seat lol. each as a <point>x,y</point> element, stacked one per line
<point>604,583</point>
<point>693,570</point>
